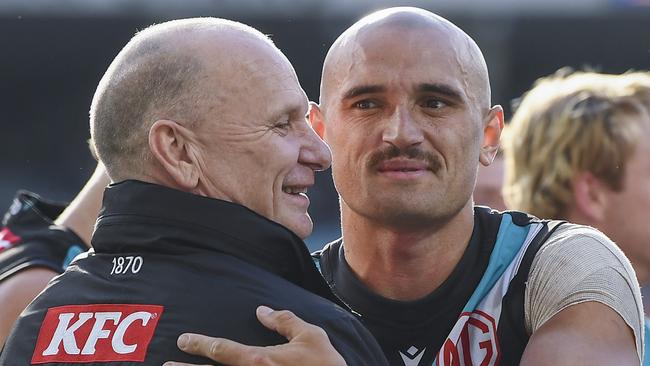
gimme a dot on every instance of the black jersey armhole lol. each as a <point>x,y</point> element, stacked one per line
<point>512,323</point>
<point>23,266</point>
<point>324,260</point>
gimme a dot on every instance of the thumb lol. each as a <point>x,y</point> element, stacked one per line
<point>284,322</point>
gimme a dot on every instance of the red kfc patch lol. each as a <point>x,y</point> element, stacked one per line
<point>96,333</point>
<point>7,239</point>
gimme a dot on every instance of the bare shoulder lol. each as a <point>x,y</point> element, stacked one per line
<point>21,289</point>
<point>28,279</point>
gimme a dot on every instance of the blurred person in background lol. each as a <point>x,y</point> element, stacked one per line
<point>405,107</point>
<point>489,184</point>
<point>38,240</point>
<point>200,124</point>
<point>638,83</point>
<point>578,149</point>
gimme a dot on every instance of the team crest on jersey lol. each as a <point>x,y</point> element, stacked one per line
<point>473,341</point>
<point>96,333</point>
<point>7,239</point>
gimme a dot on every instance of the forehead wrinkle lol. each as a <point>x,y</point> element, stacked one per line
<point>254,67</point>
<point>364,47</point>
<point>296,107</point>
<point>283,81</point>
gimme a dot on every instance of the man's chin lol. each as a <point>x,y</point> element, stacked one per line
<point>301,226</point>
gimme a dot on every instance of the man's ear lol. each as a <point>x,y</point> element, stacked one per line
<point>171,148</point>
<point>590,197</point>
<point>491,135</point>
<point>316,119</point>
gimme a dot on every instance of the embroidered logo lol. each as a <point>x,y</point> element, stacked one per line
<point>7,239</point>
<point>412,356</point>
<point>96,333</point>
<point>473,341</point>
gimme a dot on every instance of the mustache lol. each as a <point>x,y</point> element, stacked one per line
<point>411,152</point>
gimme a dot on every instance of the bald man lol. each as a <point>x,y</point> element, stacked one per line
<point>206,212</point>
<point>405,108</point>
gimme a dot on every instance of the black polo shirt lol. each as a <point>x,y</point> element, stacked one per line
<point>29,238</point>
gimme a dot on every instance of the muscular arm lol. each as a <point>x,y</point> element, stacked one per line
<point>582,302</point>
<point>587,334</point>
<point>17,292</point>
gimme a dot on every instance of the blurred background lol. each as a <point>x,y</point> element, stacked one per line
<point>53,53</point>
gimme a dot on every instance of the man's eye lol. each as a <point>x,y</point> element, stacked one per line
<point>433,103</point>
<point>365,104</point>
<point>283,125</point>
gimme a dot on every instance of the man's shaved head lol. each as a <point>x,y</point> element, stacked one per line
<point>405,109</point>
<point>161,74</point>
<point>370,32</point>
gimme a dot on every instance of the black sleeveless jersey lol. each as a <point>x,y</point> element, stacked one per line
<point>475,317</point>
<point>29,238</point>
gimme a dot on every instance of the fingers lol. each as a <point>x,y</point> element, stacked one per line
<point>287,323</point>
<point>309,345</point>
<point>217,349</point>
<point>171,363</point>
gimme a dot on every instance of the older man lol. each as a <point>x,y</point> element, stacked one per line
<point>201,125</point>
<point>405,107</point>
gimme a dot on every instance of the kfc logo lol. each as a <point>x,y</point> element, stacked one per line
<point>472,342</point>
<point>99,332</point>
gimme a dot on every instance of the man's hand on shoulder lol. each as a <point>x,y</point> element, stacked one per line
<point>308,345</point>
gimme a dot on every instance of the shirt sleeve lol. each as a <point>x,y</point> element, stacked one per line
<point>579,264</point>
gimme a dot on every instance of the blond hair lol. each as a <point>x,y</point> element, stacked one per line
<point>637,85</point>
<point>570,123</point>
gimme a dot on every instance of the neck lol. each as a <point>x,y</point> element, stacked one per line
<point>405,263</point>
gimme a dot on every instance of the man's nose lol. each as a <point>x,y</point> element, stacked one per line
<point>314,152</point>
<point>401,129</point>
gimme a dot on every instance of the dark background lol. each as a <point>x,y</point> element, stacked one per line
<point>52,59</point>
